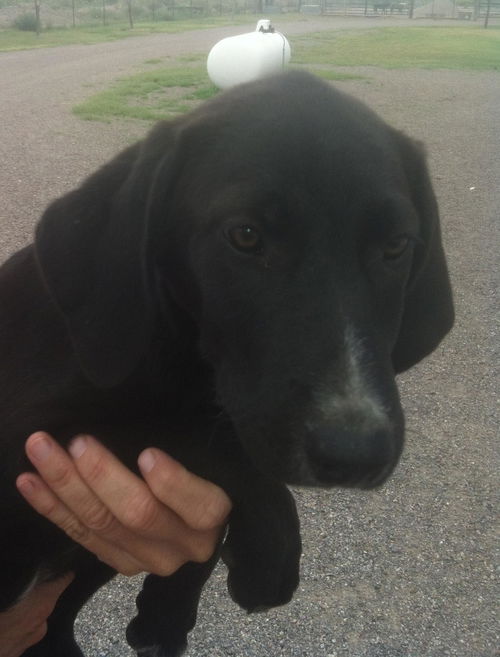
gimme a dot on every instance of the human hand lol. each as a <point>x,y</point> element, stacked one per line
<point>134,525</point>
<point>26,623</point>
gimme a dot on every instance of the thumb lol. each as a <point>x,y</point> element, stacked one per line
<point>51,591</point>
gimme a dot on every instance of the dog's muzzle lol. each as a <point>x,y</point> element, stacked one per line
<point>343,457</point>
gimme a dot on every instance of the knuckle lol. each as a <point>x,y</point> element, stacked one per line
<point>202,551</point>
<point>38,632</point>
<point>141,514</point>
<point>39,615</point>
<point>128,570</point>
<point>169,479</point>
<point>168,566</point>
<point>76,530</point>
<point>61,478</point>
<point>209,516</point>
<point>47,506</point>
<point>98,518</point>
<point>95,471</point>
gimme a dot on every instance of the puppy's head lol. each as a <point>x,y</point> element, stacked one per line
<point>300,234</point>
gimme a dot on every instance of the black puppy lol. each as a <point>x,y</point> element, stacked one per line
<point>239,289</point>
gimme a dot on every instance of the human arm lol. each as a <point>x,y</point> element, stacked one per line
<point>26,622</point>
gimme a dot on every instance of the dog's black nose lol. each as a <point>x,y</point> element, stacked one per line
<point>351,458</point>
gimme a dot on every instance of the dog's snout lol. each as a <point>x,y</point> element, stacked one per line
<point>351,458</point>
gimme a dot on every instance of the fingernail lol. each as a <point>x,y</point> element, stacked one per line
<point>40,448</point>
<point>147,460</point>
<point>77,446</point>
<point>25,486</point>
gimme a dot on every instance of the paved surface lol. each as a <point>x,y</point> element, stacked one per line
<point>407,571</point>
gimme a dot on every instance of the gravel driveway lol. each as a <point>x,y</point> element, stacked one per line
<point>407,571</point>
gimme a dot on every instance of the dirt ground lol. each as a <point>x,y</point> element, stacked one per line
<point>407,571</point>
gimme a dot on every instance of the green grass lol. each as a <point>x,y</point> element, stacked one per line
<point>166,91</point>
<point>149,96</point>
<point>161,93</point>
<point>402,47</point>
<point>11,39</point>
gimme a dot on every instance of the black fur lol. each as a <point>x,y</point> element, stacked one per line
<point>137,317</point>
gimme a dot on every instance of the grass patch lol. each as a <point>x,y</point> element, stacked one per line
<point>11,39</point>
<point>149,96</point>
<point>163,92</point>
<point>402,47</point>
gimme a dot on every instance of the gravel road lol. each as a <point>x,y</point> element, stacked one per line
<point>407,571</point>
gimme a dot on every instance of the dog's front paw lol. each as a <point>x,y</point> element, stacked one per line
<point>263,548</point>
<point>255,594</point>
<point>257,579</point>
<point>158,651</point>
<point>167,610</point>
<point>173,643</point>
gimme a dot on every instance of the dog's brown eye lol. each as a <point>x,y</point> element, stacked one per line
<point>245,238</point>
<point>395,247</point>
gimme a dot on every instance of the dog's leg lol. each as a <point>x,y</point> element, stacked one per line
<point>167,610</point>
<point>60,643</point>
<point>263,548</point>
<point>59,640</point>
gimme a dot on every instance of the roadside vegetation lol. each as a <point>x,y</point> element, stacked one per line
<point>19,39</point>
<point>151,95</point>
<point>164,89</point>
<point>453,47</point>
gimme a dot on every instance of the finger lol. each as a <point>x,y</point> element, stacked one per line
<point>53,590</point>
<point>46,503</point>
<point>157,537</point>
<point>126,495</point>
<point>200,503</point>
<point>144,535</point>
<point>150,518</point>
<point>58,471</point>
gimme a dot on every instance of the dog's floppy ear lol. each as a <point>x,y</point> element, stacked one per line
<point>92,249</point>
<point>428,313</point>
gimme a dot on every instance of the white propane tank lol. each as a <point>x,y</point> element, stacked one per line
<point>248,56</point>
